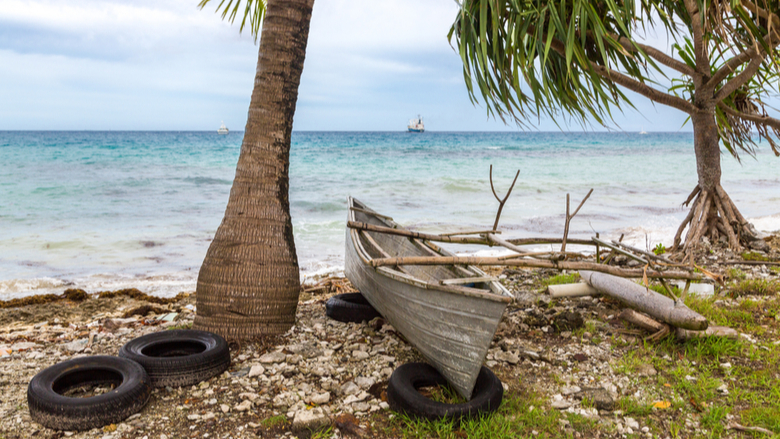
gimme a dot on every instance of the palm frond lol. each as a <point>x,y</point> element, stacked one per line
<point>253,11</point>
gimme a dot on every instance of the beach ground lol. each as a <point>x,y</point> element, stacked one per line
<point>570,368</point>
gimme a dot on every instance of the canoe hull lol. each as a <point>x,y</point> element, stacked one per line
<point>450,329</point>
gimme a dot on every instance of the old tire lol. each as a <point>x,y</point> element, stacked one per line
<point>179,357</point>
<point>50,408</point>
<point>403,395</point>
<point>351,307</point>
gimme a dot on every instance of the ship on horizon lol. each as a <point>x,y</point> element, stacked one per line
<point>416,125</point>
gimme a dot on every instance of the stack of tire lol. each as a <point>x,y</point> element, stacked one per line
<point>403,388</point>
<point>163,359</point>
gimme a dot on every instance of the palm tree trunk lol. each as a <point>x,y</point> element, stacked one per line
<point>249,283</point>
<point>713,215</point>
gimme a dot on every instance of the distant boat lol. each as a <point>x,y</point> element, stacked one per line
<point>643,130</point>
<point>223,129</point>
<point>416,125</point>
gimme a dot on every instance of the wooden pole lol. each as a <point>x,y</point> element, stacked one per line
<point>500,201</point>
<point>569,217</point>
<point>496,240</point>
<point>537,263</point>
<point>408,233</point>
<point>534,241</point>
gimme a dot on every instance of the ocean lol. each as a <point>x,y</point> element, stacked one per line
<point>110,210</point>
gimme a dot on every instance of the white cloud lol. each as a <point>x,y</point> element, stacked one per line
<point>381,26</point>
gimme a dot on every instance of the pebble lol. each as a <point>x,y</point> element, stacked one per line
<point>645,370</point>
<point>256,370</point>
<point>310,420</point>
<point>273,357</point>
<point>243,406</point>
<point>320,398</point>
<point>76,345</point>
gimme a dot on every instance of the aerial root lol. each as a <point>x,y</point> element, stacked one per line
<point>712,215</point>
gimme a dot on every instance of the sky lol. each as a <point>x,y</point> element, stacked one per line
<point>167,65</point>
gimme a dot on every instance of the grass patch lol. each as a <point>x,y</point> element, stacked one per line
<point>753,256</point>
<point>631,407</point>
<point>736,274</point>
<point>755,287</point>
<point>520,415</point>
<point>323,434</point>
<point>273,421</point>
<point>559,279</point>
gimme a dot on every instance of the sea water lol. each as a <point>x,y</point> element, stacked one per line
<point>110,210</point>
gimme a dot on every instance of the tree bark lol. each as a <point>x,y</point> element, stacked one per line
<point>706,143</point>
<point>249,283</point>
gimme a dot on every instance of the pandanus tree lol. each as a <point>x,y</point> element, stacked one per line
<point>533,58</point>
<point>249,282</point>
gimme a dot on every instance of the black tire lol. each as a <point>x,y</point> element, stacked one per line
<point>350,308</point>
<point>50,408</point>
<point>403,395</point>
<point>179,357</point>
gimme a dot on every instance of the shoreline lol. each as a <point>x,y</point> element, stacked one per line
<point>548,354</point>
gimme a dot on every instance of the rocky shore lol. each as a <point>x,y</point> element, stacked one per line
<point>328,378</point>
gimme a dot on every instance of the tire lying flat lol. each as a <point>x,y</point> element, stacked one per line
<point>50,408</point>
<point>403,395</point>
<point>179,357</point>
<point>350,308</point>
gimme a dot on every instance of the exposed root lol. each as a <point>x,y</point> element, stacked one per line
<point>713,215</point>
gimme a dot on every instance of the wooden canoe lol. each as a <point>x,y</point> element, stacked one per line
<point>449,313</point>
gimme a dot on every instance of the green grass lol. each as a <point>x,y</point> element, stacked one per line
<point>323,434</point>
<point>273,421</point>
<point>518,417</point>
<point>736,274</point>
<point>562,279</point>
<point>753,256</point>
<point>755,287</point>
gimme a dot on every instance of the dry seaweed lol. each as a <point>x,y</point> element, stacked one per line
<point>79,295</point>
<point>139,295</point>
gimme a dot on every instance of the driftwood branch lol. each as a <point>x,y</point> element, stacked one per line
<point>712,331</point>
<point>452,238</point>
<point>534,241</point>
<point>646,300</point>
<point>508,245</point>
<point>617,249</point>
<point>408,233</point>
<point>750,263</point>
<point>535,263</point>
<point>501,201</point>
<point>569,217</point>
<point>658,329</point>
<point>738,427</point>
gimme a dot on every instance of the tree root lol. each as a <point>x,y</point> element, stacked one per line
<point>713,215</point>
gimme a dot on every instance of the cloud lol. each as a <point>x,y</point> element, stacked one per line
<point>360,26</point>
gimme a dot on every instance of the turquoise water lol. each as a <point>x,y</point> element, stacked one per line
<point>104,210</point>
